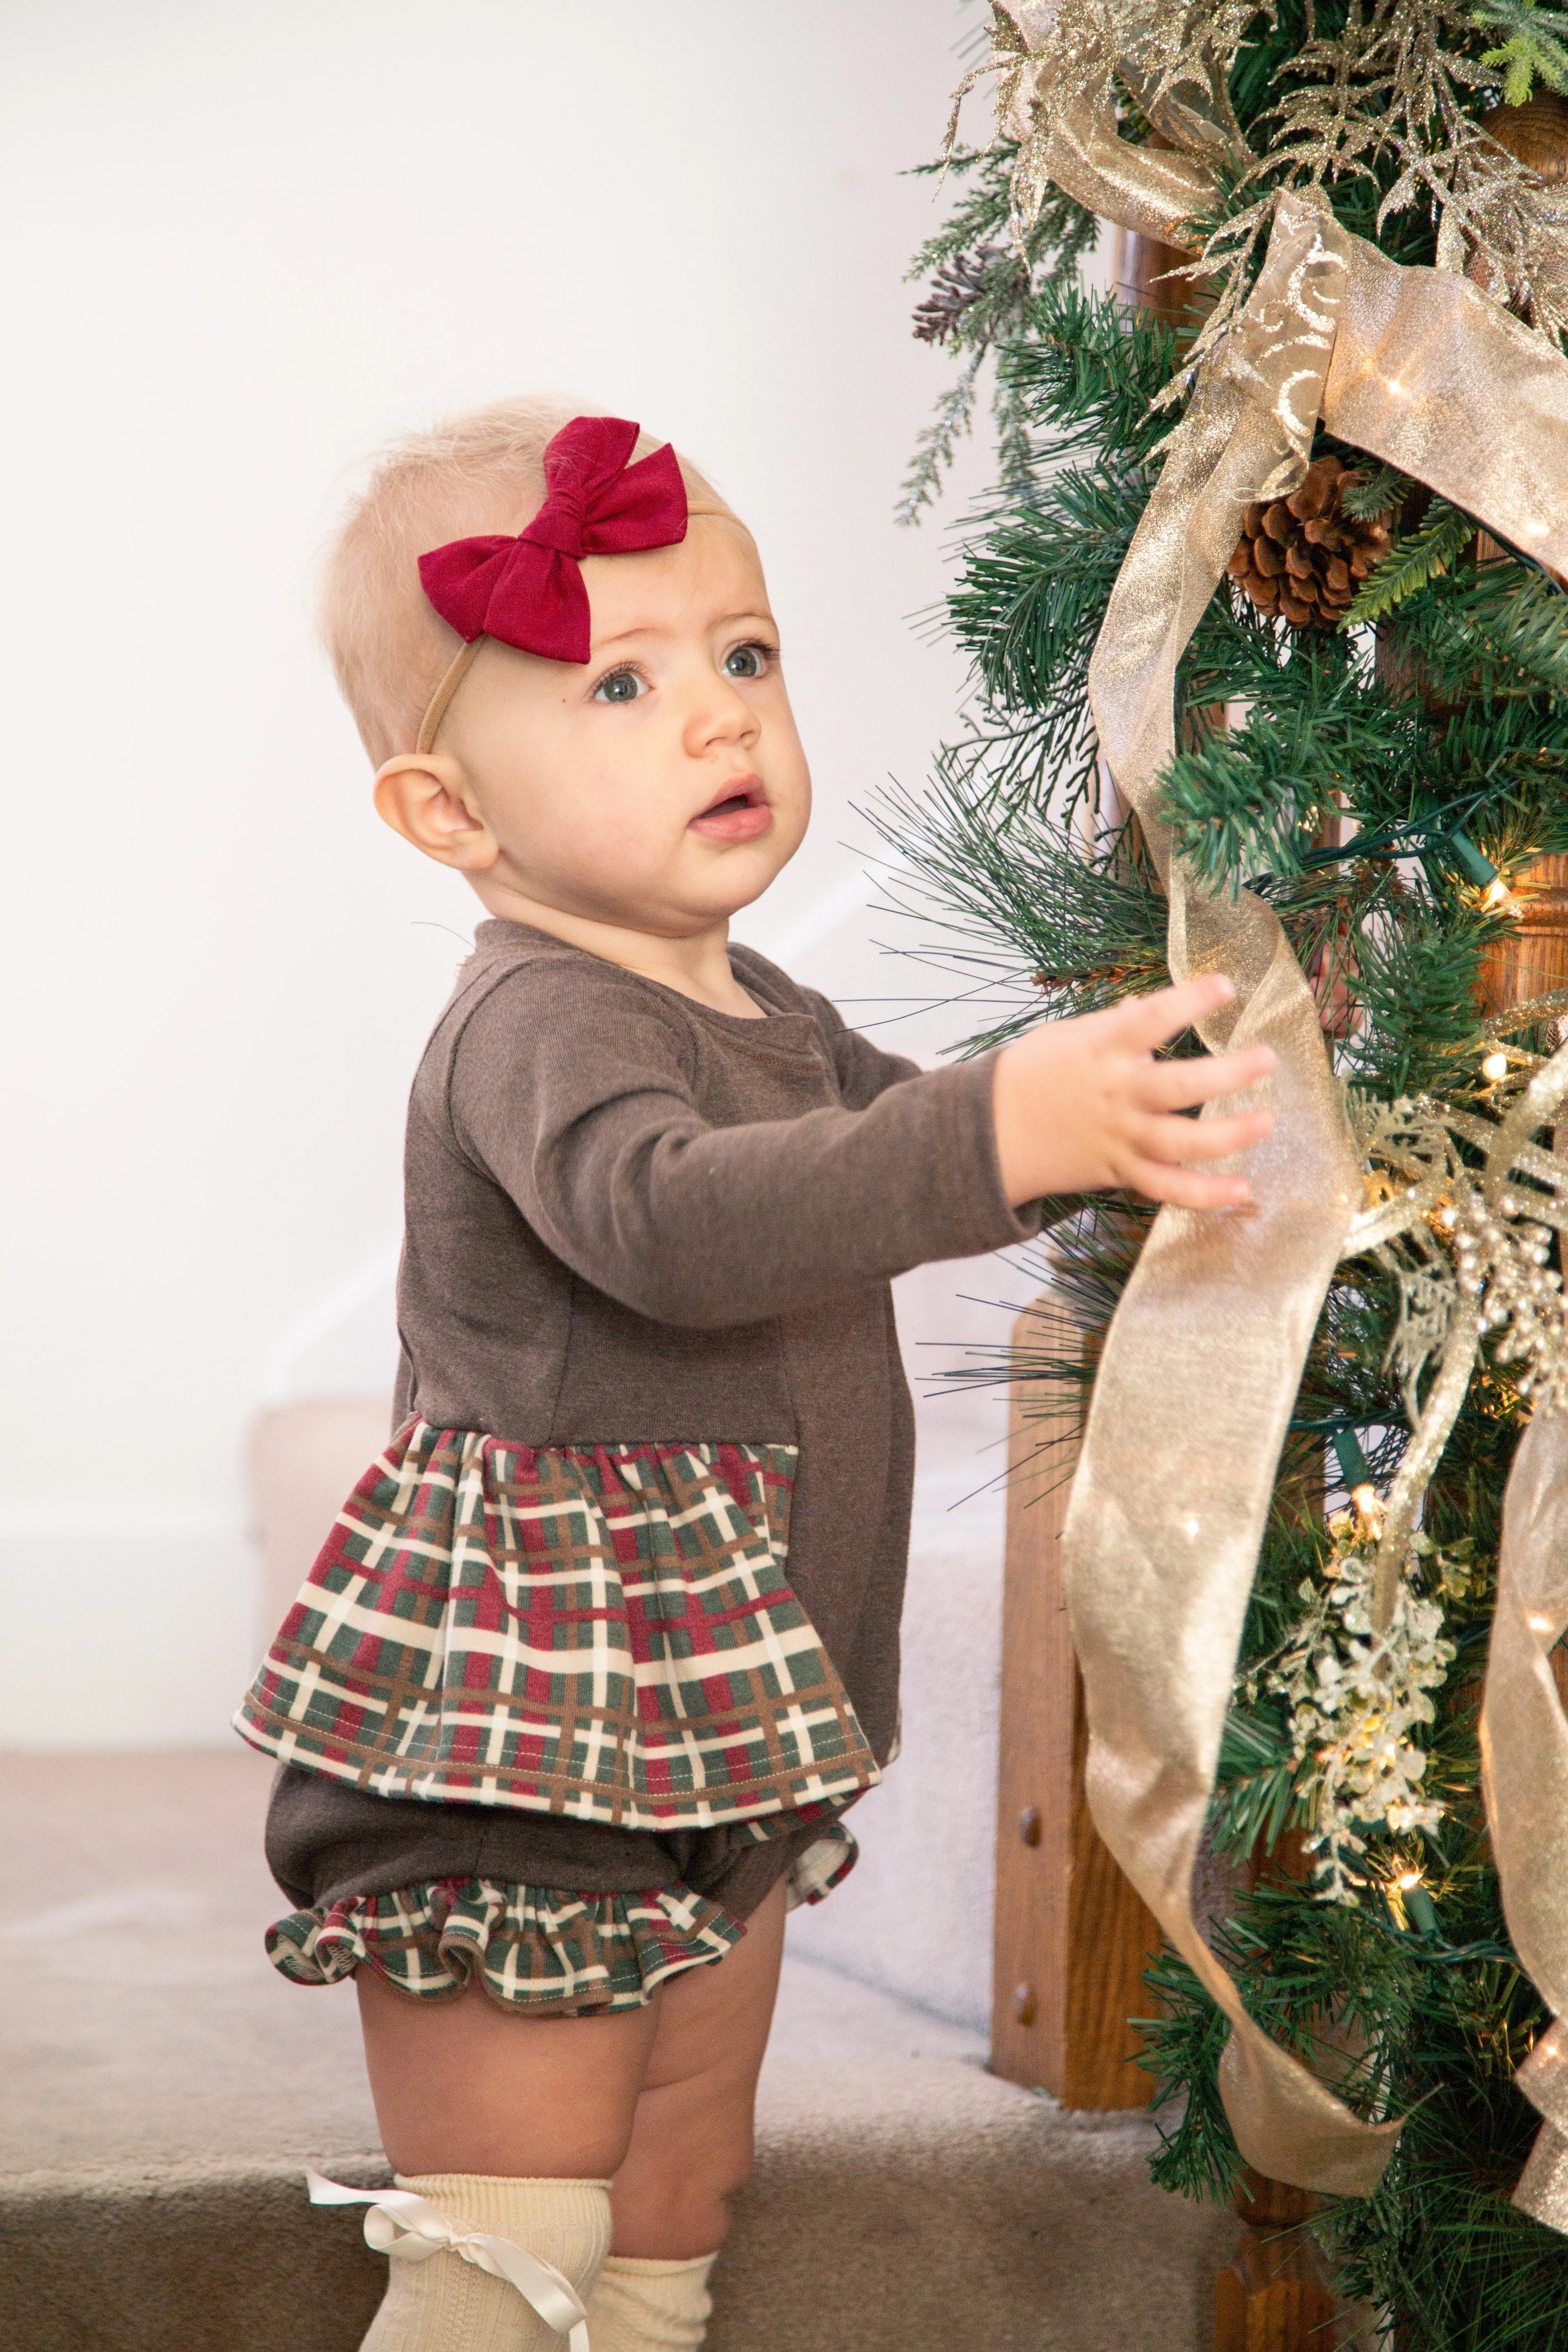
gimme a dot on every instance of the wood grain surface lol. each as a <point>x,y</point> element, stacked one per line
<point>1072,1937</point>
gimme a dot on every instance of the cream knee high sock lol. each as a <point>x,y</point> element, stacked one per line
<point>645,2306</point>
<point>446,2304</point>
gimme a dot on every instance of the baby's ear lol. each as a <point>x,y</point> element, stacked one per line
<point>423,796</point>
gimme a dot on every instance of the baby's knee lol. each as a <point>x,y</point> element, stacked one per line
<point>672,2202</point>
<point>730,2168</point>
<point>700,2187</point>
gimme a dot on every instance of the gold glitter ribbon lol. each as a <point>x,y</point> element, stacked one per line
<point>1524,1738</point>
<point>1204,1357</point>
<point>1524,1767</point>
<point>1150,190</point>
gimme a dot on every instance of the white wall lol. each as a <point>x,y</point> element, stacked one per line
<point>243,242</point>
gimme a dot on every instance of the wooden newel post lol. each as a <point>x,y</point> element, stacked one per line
<point>1072,1937</point>
<point>1277,2294</point>
<point>1140,271</point>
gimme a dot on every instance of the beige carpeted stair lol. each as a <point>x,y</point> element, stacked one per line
<point>161,2090</point>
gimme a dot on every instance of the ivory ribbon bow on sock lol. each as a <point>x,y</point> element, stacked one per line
<point>410,2230</point>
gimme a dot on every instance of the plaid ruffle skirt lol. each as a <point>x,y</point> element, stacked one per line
<point>603,1631</point>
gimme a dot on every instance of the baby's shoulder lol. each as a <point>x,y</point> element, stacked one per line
<point>525,997</point>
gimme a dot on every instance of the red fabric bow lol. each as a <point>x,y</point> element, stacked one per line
<point>529,591</point>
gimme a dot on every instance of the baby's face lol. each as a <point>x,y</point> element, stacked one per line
<point>662,786</point>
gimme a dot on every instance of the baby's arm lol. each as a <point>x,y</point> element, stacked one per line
<point>1081,1104</point>
<point>580,1107</point>
<point>579,1101</point>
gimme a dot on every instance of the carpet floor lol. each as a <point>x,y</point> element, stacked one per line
<point>162,2089</point>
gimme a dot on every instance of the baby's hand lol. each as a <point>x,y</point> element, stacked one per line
<point>1083,1104</point>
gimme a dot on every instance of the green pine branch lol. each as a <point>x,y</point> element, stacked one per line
<point>981,214</point>
<point>1027,920</point>
<point>1381,491</point>
<point>980,288</point>
<point>1085,371</point>
<point>1242,802</point>
<point>1320,735</point>
<point>936,443</point>
<point>1183,2044</point>
<point>1255,1797</point>
<point>1535,47</point>
<point>1411,563</point>
<point>1034,587</point>
<point>1492,629</point>
<point>1416,987</point>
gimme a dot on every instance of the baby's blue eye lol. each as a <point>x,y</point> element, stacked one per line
<point>746,661</point>
<point>621,686</point>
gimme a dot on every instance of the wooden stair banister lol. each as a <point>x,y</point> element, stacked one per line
<point>1072,1937</point>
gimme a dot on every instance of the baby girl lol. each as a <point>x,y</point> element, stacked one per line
<point>601,1650</point>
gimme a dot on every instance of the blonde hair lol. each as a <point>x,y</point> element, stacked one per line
<point>477,473</point>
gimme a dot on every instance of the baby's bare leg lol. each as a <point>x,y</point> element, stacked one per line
<point>464,2086</point>
<point>508,2124</point>
<point>691,2140</point>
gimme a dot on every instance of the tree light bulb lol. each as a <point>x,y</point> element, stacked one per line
<point>1497,891</point>
<point>1495,1066</point>
<point>1408,1879</point>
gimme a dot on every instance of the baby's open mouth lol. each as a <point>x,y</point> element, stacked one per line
<point>739,812</point>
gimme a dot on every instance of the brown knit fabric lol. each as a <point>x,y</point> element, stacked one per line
<point>630,1218</point>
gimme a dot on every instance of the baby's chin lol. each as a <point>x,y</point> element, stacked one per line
<point>687,911</point>
<point>691,883</point>
<point>684,908</point>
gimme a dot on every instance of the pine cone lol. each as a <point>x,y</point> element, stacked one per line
<point>958,286</point>
<point>1303,556</point>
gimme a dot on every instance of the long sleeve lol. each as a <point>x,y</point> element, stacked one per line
<point>578,1102</point>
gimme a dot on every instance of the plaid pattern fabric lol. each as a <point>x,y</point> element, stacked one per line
<point>824,1865</point>
<point>552,1954</point>
<point>604,1632</point>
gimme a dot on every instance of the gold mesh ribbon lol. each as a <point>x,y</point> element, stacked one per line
<point>1524,1765</point>
<point>1204,1357</point>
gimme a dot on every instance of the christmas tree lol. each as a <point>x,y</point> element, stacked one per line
<point>1370,761</point>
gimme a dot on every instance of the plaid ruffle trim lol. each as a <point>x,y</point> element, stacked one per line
<point>535,1947</point>
<point>604,1632</point>
<point>555,1955</point>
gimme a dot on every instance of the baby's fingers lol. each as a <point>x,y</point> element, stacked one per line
<point>1203,1139</point>
<point>1174,1086</point>
<point>1185,1188</point>
<point>1143,1022</point>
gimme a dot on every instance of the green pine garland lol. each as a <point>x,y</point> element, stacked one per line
<point>1437,721</point>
